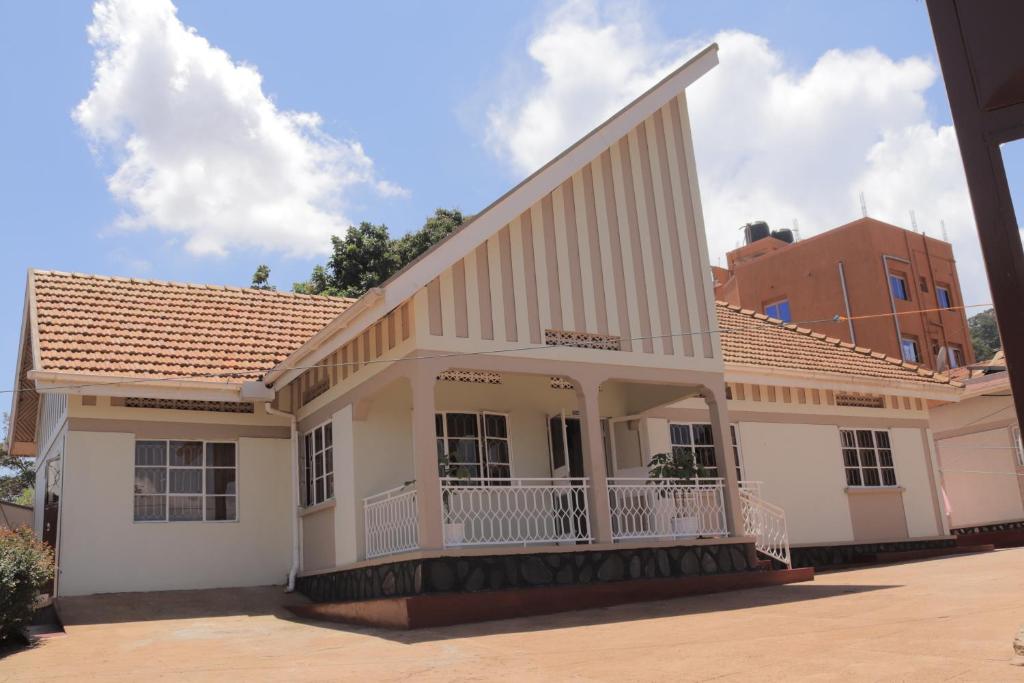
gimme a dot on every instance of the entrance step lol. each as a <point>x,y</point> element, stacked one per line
<point>448,609</point>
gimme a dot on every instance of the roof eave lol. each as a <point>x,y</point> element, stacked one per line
<point>753,374</point>
<point>141,387</point>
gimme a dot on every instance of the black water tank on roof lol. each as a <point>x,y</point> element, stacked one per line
<point>755,231</point>
<point>785,234</point>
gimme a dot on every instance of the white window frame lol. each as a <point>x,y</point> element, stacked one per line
<point>481,438</point>
<point>309,459</point>
<point>204,495</point>
<point>878,468</point>
<point>1018,445</point>
<point>917,350</point>
<point>734,434</point>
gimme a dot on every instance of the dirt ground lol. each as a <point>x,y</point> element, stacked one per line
<point>951,618</point>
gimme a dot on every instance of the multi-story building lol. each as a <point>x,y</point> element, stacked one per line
<point>894,290</point>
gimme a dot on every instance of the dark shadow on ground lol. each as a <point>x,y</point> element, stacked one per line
<point>693,604</point>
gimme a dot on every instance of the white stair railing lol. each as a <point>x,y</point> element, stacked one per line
<point>391,522</point>
<point>514,511</point>
<point>766,523</point>
<point>667,508</point>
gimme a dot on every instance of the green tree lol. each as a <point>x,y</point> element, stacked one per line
<point>984,334</point>
<point>261,278</point>
<point>17,473</point>
<point>367,255</point>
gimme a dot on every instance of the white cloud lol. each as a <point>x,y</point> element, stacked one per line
<point>201,150</point>
<point>772,142</point>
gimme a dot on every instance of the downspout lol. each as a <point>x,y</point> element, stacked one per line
<point>846,302</point>
<point>296,538</point>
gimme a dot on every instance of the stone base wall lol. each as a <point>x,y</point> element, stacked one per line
<point>496,572</point>
<point>989,528</point>
<point>830,555</point>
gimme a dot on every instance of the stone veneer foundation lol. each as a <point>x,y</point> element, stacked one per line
<point>831,555</point>
<point>464,574</point>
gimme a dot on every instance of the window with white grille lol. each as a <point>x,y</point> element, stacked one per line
<point>867,457</point>
<point>698,439</point>
<point>318,464</point>
<point>186,481</point>
<point>477,442</point>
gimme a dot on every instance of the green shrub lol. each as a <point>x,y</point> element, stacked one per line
<point>26,564</point>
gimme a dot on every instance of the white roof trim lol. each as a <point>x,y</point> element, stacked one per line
<point>506,208</point>
<point>112,385</point>
<point>746,374</point>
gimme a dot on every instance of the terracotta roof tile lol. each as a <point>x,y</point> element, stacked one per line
<point>94,325</point>
<point>752,339</point>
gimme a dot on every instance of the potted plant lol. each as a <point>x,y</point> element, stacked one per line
<point>670,505</point>
<point>450,468</point>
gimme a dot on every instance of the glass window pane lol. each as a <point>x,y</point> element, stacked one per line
<point>221,508</point>
<point>495,425</point>
<point>889,477</point>
<point>498,471</point>
<point>885,458</point>
<point>318,463</point>
<point>850,457</point>
<point>679,434</point>
<point>706,457</point>
<point>319,491</point>
<point>150,480</point>
<point>497,451</point>
<point>864,438</point>
<point>853,477</point>
<point>847,438</point>
<point>732,435</point>
<point>184,508</point>
<point>329,485</point>
<point>702,435</point>
<point>462,424</point>
<point>867,457</point>
<point>150,508</point>
<point>871,477</point>
<point>220,482</point>
<point>439,425</point>
<point>186,454</point>
<point>328,435</point>
<point>186,481</point>
<point>318,439</point>
<point>557,442</point>
<point>151,453</point>
<point>882,439</point>
<point>329,460</point>
<point>220,455</point>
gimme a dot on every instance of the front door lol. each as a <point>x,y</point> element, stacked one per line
<point>566,441</point>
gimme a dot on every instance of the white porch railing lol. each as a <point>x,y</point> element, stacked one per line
<point>667,508</point>
<point>517,511</point>
<point>390,520</point>
<point>766,523</point>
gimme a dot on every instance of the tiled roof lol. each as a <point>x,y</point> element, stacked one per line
<point>93,325</point>
<point>755,340</point>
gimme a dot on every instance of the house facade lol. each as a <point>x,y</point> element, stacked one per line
<point>483,420</point>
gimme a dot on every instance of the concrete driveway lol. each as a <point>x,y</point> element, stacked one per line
<point>951,618</point>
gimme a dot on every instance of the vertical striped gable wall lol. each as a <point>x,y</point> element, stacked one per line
<point>616,251</point>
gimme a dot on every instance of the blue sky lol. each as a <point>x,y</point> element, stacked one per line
<point>434,93</point>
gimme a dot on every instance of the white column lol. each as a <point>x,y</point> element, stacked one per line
<point>715,398</point>
<point>594,461</point>
<point>348,509</point>
<point>424,451</point>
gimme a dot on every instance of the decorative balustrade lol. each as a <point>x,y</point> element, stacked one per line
<point>390,520</point>
<point>517,511</point>
<point>667,508</point>
<point>767,524</point>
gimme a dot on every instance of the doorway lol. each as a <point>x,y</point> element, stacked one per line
<point>565,438</point>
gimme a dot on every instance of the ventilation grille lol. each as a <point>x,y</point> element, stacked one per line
<point>583,340</point>
<point>860,401</point>
<point>470,376</point>
<point>561,383</point>
<point>175,404</point>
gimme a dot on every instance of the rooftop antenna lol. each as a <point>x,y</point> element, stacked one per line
<point>796,230</point>
<point>863,206</point>
<point>913,220</point>
<point>945,235</point>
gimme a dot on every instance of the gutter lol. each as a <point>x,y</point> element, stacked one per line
<point>294,455</point>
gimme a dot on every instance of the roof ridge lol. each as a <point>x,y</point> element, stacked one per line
<point>836,342</point>
<point>190,285</point>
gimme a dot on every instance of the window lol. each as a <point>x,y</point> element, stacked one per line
<point>185,481</point>
<point>898,286</point>
<point>924,284</point>
<point>699,439</point>
<point>867,457</point>
<point>945,300</point>
<point>478,441</point>
<point>319,464</point>
<point>910,351</point>
<point>956,357</point>
<point>779,309</point>
<point>1018,446</point>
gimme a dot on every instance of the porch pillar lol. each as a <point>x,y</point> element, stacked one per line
<point>424,452</point>
<point>594,464</point>
<point>715,398</point>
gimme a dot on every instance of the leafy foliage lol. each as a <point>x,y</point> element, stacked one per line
<point>984,334</point>
<point>367,255</point>
<point>261,278</point>
<point>26,564</point>
<point>675,465</point>
<point>17,473</point>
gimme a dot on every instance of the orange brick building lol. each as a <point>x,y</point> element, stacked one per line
<point>863,268</point>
